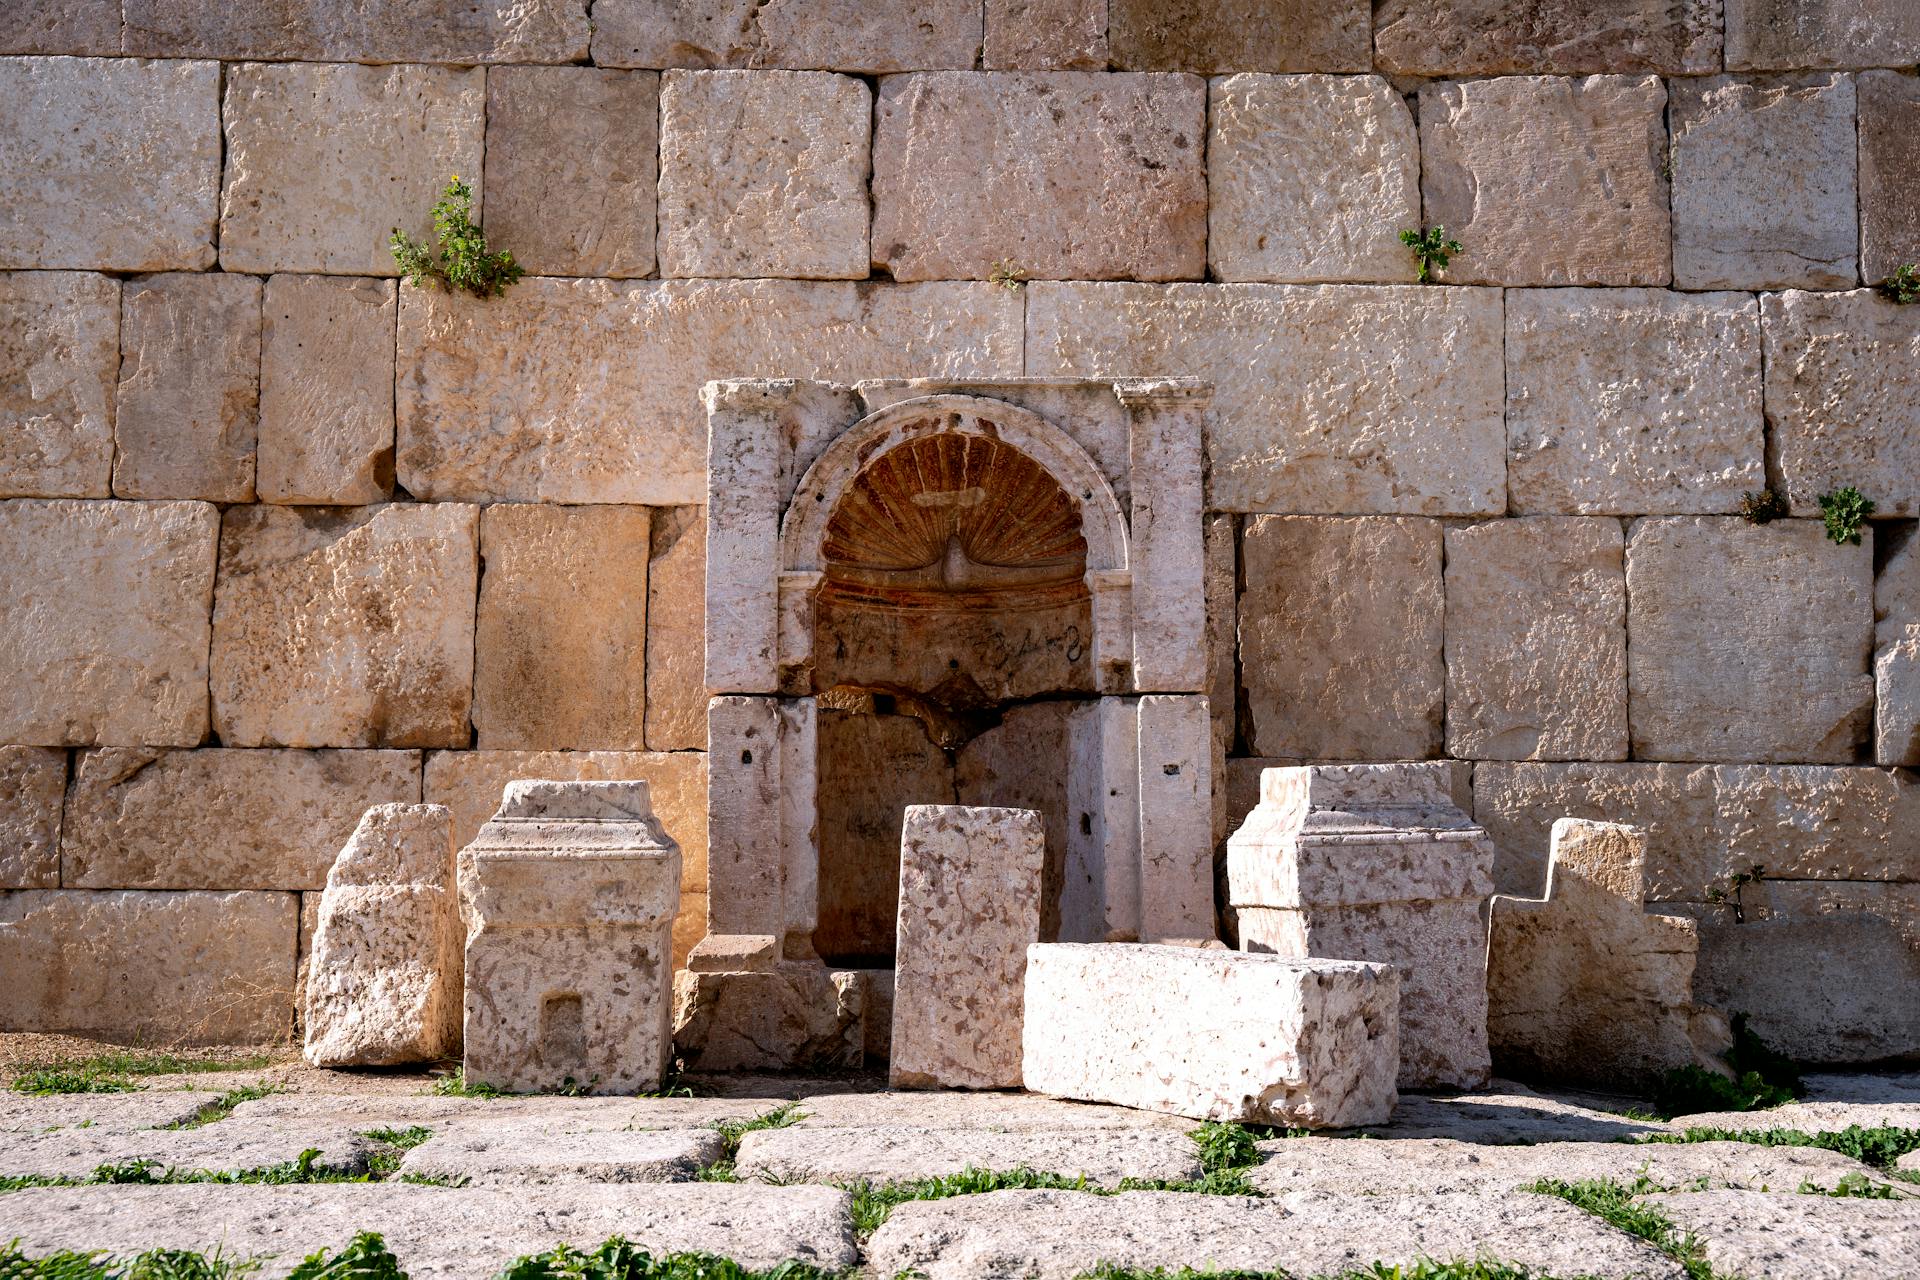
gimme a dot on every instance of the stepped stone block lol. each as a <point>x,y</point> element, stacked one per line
<point>833,35</point>
<point>360,31</point>
<point>108,164</point>
<point>789,1016</point>
<point>969,910</point>
<point>1896,657</point>
<point>105,635</point>
<point>326,391</point>
<point>383,974</point>
<point>1216,1035</point>
<point>1494,153</point>
<point>189,396</point>
<point>1889,172</point>
<point>1045,35</point>
<point>32,782</point>
<point>1784,35</point>
<point>60,349</point>
<point>676,630</point>
<point>1559,37</point>
<point>1218,36</point>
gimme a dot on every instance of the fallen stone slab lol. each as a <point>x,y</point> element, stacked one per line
<point>1761,1237</point>
<point>75,1153</point>
<point>903,1153</point>
<point>1056,1235</point>
<point>101,1112</point>
<point>1510,1113</point>
<point>437,1233</point>
<point>525,1153</point>
<point>1809,1117</point>
<point>999,1112</point>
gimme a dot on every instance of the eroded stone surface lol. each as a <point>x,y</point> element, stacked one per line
<point>32,783</point>
<point>840,35</point>
<point>362,31</point>
<point>676,630</point>
<point>75,1152</point>
<point>901,1153</point>
<point>326,391</point>
<point>86,27</point>
<point>101,1112</point>
<point>1889,105</point>
<point>509,1153</point>
<point>1557,37</point>
<point>1777,968</point>
<point>1509,1114</point>
<point>1214,36</point>
<point>189,396</point>
<point>1776,35</point>
<point>1777,1237</point>
<point>797,1015</point>
<point>1896,657</point>
<point>60,346</point>
<point>1045,35</point>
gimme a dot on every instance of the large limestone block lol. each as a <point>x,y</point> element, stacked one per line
<point>1896,657</point>
<point>1495,153</point>
<point>325,159</point>
<point>1215,36</point>
<point>1340,637</point>
<point>1764,188</point>
<point>1217,1035</point>
<point>383,977</point>
<point>345,628</point>
<point>361,31</point>
<point>174,968</point>
<point>1704,823</point>
<point>108,164</point>
<point>833,35</point>
<point>1557,37</point>
<point>1889,172</point>
<point>60,350</point>
<point>32,782</point>
<point>676,630</point>
<point>1843,397</point>
<point>1747,642</point>
<point>84,27</point>
<point>1063,174</point>
<point>764,173</point>
<point>189,397</point>
<point>1537,647</point>
<point>561,631</point>
<point>969,910</point>
<point>1837,988</point>
<point>1045,35</point>
<point>1782,35</point>
<point>326,391</point>
<point>591,133</point>
<point>551,392</point>
<point>1329,399</point>
<point>1310,178</point>
<point>104,637</point>
<point>140,818</point>
<point>792,1017</point>
<point>1775,1237</point>
<point>1682,370</point>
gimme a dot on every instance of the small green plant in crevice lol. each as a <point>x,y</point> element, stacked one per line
<point>304,1170</point>
<point>118,1071</point>
<point>1844,511</point>
<point>1420,1269</point>
<point>1852,1185</point>
<point>731,1131</point>
<point>465,261</point>
<point>1903,286</point>
<point>45,1082</point>
<point>154,1264</point>
<point>872,1202</point>
<point>1432,251</point>
<point>1616,1204</point>
<point>1762,1078</point>
<point>222,1107</point>
<point>618,1259</point>
<point>1763,507</point>
<point>366,1257</point>
<point>1880,1148</point>
<point>1905,1175</point>
<point>1727,890</point>
<point>393,1144</point>
<point>1007,275</point>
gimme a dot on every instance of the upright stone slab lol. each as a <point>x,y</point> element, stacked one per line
<point>383,976</point>
<point>572,888</point>
<point>1374,862</point>
<point>969,909</point>
<point>1217,1035</point>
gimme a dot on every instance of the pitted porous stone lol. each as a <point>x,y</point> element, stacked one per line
<point>1060,175</point>
<point>101,1113</point>
<point>1045,35</point>
<point>1889,172</point>
<point>1217,36</point>
<point>835,35</point>
<point>1055,1235</point>
<point>1896,657</point>
<point>108,164</point>
<point>1211,1034</point>
<point>60,352</point>
<point>83,27</point>
<point>1782,35</point>
<point>439,1233</point>
<point>1549,37</point>
<point>901,1153</point>
<point>1495,152</point>
<point>1762,1237</point>
<point>324,160</point>
<point>1310,178</point>
<point>676,633</point>
<point>104,637</point>
<point>1747,642</point>
<point>326,391</point>
<point>360,31</point>
<point>510,1153</point>
<point>1683,368</point>
<point>33,781</point>
<point>74,1152</point>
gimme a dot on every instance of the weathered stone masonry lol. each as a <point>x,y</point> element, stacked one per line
<point>281,539</point>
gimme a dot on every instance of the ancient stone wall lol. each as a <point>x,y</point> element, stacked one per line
<point>281,538</point>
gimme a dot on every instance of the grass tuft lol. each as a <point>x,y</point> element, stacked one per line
<point>1853,1185</point>
<point>366,1257</point>
<point>1762,1079</point>
<point>1881,1148</point>
<point>731,1131</point>
<point>1615,1204</point>
<point>222,1107</point>
<point>617,1259</point>
<point>154,1264</point>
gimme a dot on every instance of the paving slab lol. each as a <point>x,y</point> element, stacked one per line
<point>103,1112</point>
<point>437,1233</point>
<point>224,1145</point>
<point>523,1153</point>
<point>1002,1112</point>
<point>1873,1087</point>
<point>1056,1235</point>
<point>901,1153</point>
<point>1809,1117</point>
<point>554,1114</point>
<point>1509,1113</point>
<point>1761,1237</point>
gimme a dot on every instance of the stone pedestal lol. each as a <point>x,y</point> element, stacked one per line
<point>1216,1035</point>
<point>1374,862</point>
<point>573,887</point>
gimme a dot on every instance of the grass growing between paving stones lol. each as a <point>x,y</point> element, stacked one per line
<point>222,1107</point>
<point>617,1259</point>
<point>154,1264</point>
<point>394,1145</point>
<point>120,1072</point>
<point>382,1166</point>
<point>1761,1077</point>
<point>1614,1203</point>
<point>1881,1148</point>
<point>1853,1185</point>
<point>731,1131</point>
<point>1423,1269</point>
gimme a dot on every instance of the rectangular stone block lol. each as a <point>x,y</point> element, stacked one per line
<point>104,637</point>
<point>221,819</point>
<point>1045,35</point>
<point>1747,643</point>
<point>351,627</point>
<point>1784,35</point>
<point>1412,375</point>
<point>60,349</point>
<point>108,164</point>
<point>1215,1035</point>
<point>560,642</point>
<point>1784,973</point>
<point>83,27</point>
<point>32,782</point>
<point>1896,656</point>
<point>189,395</point>
<point>1683,369</point>
<point>1843,397</point>
<point>1706,822</point>
<point>599,373</point>
<point>172,968</point>
<point>969,910</point>
<point>1176,820</point>
<point>1558,37</point>
<point>1889,106</point>
<point>676,630</point>
<point>1310,178</point>
<point>1217,36</point>
<point>361,31</point>
<point>1764,184</point>
<point>1496,153</point>
<point>795,1017</point>
<point>326,391</point>
<point>591,133</point>
<point>831,35</point>
<point>325,159</point>
<point>1340,637</point>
